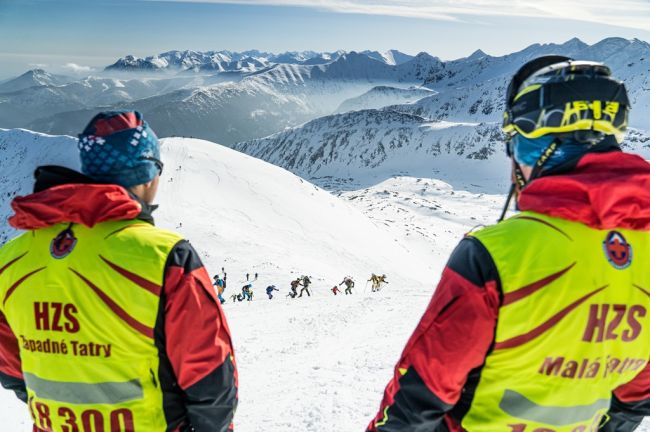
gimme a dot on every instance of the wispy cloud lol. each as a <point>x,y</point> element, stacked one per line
<point>75,68</point>
<point>624,13</point>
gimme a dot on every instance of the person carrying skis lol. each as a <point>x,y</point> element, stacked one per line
<point>134,332</point>
<point>294,288</point>
<point>349,284</point>
<point>540,322</point>
<point>305,286</point>
<point>377,281</point>
<point>269,291</point>
<point>247,292</point>
<point>218,282</point>
<point>381,280</point>
<point>335,289</point>
<point>373,278</point>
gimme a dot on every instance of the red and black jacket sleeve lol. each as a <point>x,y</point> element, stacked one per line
<point>197,372</point>
<point>630,403</point>
<point>11,375</point>
<point>451,340</point>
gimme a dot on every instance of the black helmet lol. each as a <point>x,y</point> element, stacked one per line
<point>564,97</point>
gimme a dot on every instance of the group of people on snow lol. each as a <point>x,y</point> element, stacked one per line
<point>297,287</point>
<point>349,284</point>
<point>303,282</point>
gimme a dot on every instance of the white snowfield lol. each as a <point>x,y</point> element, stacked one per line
<point>316,363</point>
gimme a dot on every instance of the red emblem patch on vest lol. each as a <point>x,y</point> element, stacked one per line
<point>63,244</point>
<point>617,250</point>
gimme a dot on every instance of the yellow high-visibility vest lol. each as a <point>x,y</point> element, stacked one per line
<point>83,304</point>
<point>572,327</point>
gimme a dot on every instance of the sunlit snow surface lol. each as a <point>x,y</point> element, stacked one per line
<point>310,364</point>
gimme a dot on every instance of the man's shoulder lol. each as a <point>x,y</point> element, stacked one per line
<point>524,225</point>
<point>14,247</point>
<point>139,232</point>
<point>472,260</point>
<point>130,241</point>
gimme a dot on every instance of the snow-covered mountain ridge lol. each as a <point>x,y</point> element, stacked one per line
<point>248,61</point>
<point>362,148</point>
<point>473,89</point>
<point>466,90</point>
<point>459,120</point>
<point>225,100</point>
<point>381,96</point>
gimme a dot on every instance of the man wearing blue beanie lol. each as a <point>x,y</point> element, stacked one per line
<point>107,322</point>
<point>121,148</point>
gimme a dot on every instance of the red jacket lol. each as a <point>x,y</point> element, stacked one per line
<point>198,373</point>
<point>605,190</point>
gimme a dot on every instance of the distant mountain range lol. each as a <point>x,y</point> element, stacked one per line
<point>232,97</point>
<point>225,106</point>
<point>33,78</point>
<point>246,61</point>
<point>446,131</point>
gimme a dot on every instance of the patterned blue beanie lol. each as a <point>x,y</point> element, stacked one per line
<point>119,147</point>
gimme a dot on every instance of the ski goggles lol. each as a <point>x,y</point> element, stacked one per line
<point>159,164</point>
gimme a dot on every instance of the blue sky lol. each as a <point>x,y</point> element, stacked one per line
<point>85,35</point>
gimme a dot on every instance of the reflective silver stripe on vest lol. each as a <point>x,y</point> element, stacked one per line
<point>110,393</point>
<point>519,406</point>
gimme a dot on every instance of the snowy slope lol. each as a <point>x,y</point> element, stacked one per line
<point>33,78</point>
<point>20,152</point>
<point>251,205</point>
<point>361,148</point>
<point>227,113</point>
<point>425,212</point>
<point>250,216</point>
<point>314,364</point>
<point>472,89</point>
<point>381,96</point>
<point>391,57</point>
<point>21,107</point>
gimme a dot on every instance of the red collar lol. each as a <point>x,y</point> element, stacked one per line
<point>87,204</point>
<point>605,191</point>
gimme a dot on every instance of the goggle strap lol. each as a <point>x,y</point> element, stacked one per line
<point>520,181</point>
<point>507,205</point>
<point>546,155</point>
